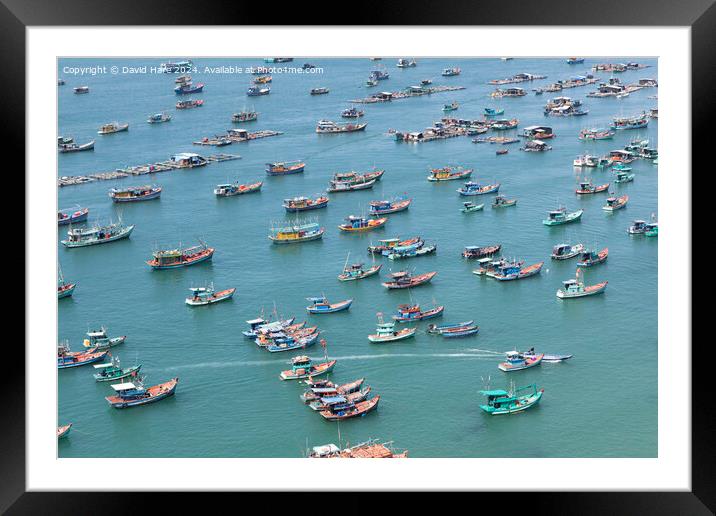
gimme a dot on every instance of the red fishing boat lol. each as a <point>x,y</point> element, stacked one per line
<point>403,279</point>
<point>588,188</point>
<point>349,410</point>
<point>173,258</point>
<point>132,394</point>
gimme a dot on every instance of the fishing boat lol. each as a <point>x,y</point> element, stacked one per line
<point>114,127</point>
<point>623,177</point>
<point>263,79</point>
<point>475,252</point>
<point>451,72</point>
<point>387,244</point>
<point>229,190</point>
<point>516,361</point>
<point>413,312</point>
<point>64,289</point>
<point>371,449</point>
<point>566,251</point>
<point>546,357</point>
<point>328,400</point>
<point>179,66</point>
<point>501,152</point>
<point>451,107</point>
<point>357,271</point>
<point>201,296</point>
<point>379,75</point>
<point>244,116</point>
<point>67,358</point>
<point>354,223</point>
<point>561,216</point>
<point>183,79</point>
<point>586,188</point>
<point>67,216</point>
<point>590,257</point>
<point>283,343</point>
<point>621,166</point>
<point>352,112</point>
<point>575,60</point>
<point>335,186</point>
<point>330,127</point>
<point>75,147</point>
<point>504,125</point>
<point>303,367</point>
<point>652,230</point>
<point>616,203</point>
<point>63,431</point>
<point>79,90</point>
<point>174,258</point>
<point>489,266</point>
<point>398,253</point>
<point>511,271</point>
<point>426,82</point>
<point>257,91</point>
<point>296,233</point>
<point>260,325</point>
<point>406,63</point>
<point>112,370</point>
<point>320,305</point>
<point>576,288</point>
<point>284,168</point>
<point>502,402</point>
<point>322,387</point>
<point>189,103</point>
<point>371,82</point>
<point>538,132</point>
<point>348,410</point>
<point>159,118</point>
<point>501,201</point>
<point>135,193</point>
<point>378,208</point>
<point>595,134</point>
<point>319,91</point>
<point>472,188</point>
<point>635,122</point>
<point>449,173</point>
<point>98,339</point>
<point>404,279</point>
<point>460,331</point>
<point>468,207</point>
<point>494,111</point>
<point>535,146</point>
<point>439,329</point>
<point>83,237</point>
<point>132,394</point>
<point>385,332</point>
<point>353,177</point>
<point>298,204</point>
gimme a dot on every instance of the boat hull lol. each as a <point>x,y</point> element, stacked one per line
<point>64,431</point>
<point>588,291</point>
<point>154,195</point>
<point>297,240</point>
<point>367,273</point>
<point>525,403</point>
<point>66,291</point>
<point>335,307</point>
<point>320,369</point>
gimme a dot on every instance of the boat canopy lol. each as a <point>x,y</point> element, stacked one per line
<point>256,321</point>
<point>103,366</point>
<point>497,392</point>
<point>123,386</point>
<point>332,400</point>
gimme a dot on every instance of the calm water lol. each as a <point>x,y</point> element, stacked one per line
<point>230,401</point>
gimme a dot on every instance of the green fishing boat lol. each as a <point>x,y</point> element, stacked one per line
<point>503,202</point>
<point>560,216</point>
<point>469,207</point>
<point>623,177</point>
<point>653,230</point>
<point>503,402</point>
<point>111,371</point>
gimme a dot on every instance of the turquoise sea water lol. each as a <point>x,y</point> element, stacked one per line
<point>230,401</point>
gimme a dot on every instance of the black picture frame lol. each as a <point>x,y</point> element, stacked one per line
<point>700,15</point>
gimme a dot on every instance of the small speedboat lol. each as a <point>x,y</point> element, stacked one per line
<point>516,361</point>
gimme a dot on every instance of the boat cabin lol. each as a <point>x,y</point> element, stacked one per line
<point>538,131</point>
<point>130,390</point>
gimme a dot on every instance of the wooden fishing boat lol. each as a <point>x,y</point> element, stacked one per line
<point>296,233</point>
<point>79,90</point>
<point>349,187</point>
<point>586,187</point>
<point>189,103</point>
<point>319,91</point>
<point>501,152</point>
<point>326,401</point>
<point>449,173</point>
<point>63,431</point>
<point>590,257</point>
<point>98,339</point>
<point>353,177</point>
<point>114,127</point>
<point>322,387</point>
<point>290,342</point>
<point>474,251</point>
<point>385,207</point>
<point>472,188</point>
<point>244,116</point>
<point>545,356</point>
<point>298,204</point>
<point>284,168</point>
<point>490,266</point>
<point>622,177</point>
<point>75,147</point>
<point>404,279</point>
<point>159,118</point>
<point>112,370</point>
<point>173,258</point>
<point>501,201</point>
<point>232,189</point>
<point>349,410</point>
<point>560,216</point>
<point>352,112</point>
<point>207,295</point>
<point>369,450</point>
<point>503,402</point>
<point>406,63</point>
<point>494,111</point>
<point>515,272</point>
<point>65,290</point>
<point>439,329</point>
<point>595,134</point>
<point>460,332</point>
<point>387,244</point>
<point>566,251</point>
<point>303,367</point>
<point>516,361</point>
<point>257,91</point>
<point>135,193</point>
<point>409,313</point>
<point>451,72</point>
<point>398,253</point>
<point>357,271</point>
<point>385,332</point>
<point>260,324</point>
<point>132,394</point>
<point>329,127</point>
<point>468,207</point>
<point>83,237</point>
<point>575,288</point>
<point>359,224</point>
<point>451,107</point>
<point>635,122</point>
<point>320,305</point>
<point>263,79</point>
<point>616,203</point>
<point>67,358</point>
<point>575,60</point>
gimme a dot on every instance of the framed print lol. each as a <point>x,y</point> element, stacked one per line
<point>439,245</point>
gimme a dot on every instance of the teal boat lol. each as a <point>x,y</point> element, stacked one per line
<point>450,107</point>
<point>111,371</point>
<point>503,402</point>
<point>470,207</point>
<point>623,177</point>
<point>560,216</point>
<point>653,230</point>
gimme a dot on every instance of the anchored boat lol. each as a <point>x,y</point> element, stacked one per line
<point>501,201</point>
<point>576,288</point>
<point>189,103</point>
<point>354,223</point>
<point>98,339</point>
<point>586,187</point>
<point>439,329</point>
<point>159,118</point>
<point>303,367</point>
<point>339,412</point>
<point>398,253</point>
<point>371,449</point>
<point>244,116</point>
<point>404,279</point>
<point>409,313</point>
<point>63,431</point>
<point>387,245</point>
<point>298,204</point>
<point>385,332</point>
<point>590,257</point>
<point>296,233</point>
<point>67,358</point>
<point>75,147</point>
<point>511,271</point>
<point>114,127</point>
<point>621,176</point>
<point>475,252</point>
<point>468,207</point>
<point>352,112</point>
<point>330,127</point>
<point>460,331</point>
<point>503,402</point>
<point>320,388</point>
<point>385,207</point>
<point>320,305</point>
<point>132,394</point>
<point>256,91</point>
<point>284,168</point>
<point>472,188</point>
<point>357,271</point>
<point>566,251</point>
<point>112,370</point>
<point>229,190</point>
<point>83,237</point>
<point>173,258</point>
<point>135,193</point>
<point>494,111</point>
<point>207,295</point>
<point>560,216</point>
<point>449,173</point>
<point>451,72</point>
<point>616,203</point>
<point>64,289</point>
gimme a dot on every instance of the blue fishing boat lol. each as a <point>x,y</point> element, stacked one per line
<point>291,344</point>
<point>187,88</point>
<point>255,91</point>
<point>67,358</point>
<point>284,168</point>
<point>320,305</point>
<point>516,361</point>
<point>386,207</point>
<point>459,332</point>
<point>472,188</point>
<point>575,60</point>
<point>135,193</point>
<point>494,111</point>
<point>68,216</point>
<point>439,329</point>
<point>409,313</point>
<point>260,324</point>
<point>503,402</point>
<point>132,394</point>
